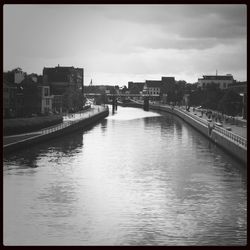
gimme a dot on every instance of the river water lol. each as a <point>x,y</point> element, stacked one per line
<point>135,178</point>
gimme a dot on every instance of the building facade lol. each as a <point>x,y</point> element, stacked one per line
<point>60,79</point>
<point>45,100</point>
<point>153,87</point>
<point>222,81</point>
<point>57,104</point>
<point>168,84</point>
<point>135,87</point>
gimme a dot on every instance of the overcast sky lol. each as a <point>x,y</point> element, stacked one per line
<point>120,43</point>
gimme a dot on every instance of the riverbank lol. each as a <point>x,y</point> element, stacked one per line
<point>74,122</point>
<point>231,142</point>
<point>25,125</point>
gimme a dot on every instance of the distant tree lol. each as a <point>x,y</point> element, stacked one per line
<point>30,91</point>
<point>135,90</point>
<point>230,103</point>
<point>18,69</point>
<point>212,95</point>
<point>124,89</point>
<point>196,97</point>
<point>73,100</point>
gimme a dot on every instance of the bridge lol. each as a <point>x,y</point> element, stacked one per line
<point>120,95</point>
<point>113,98</point>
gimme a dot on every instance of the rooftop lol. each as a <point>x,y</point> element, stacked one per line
<point>153,83</point>
<point>217,77</point>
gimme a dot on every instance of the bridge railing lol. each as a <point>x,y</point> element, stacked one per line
<point>236,138</point>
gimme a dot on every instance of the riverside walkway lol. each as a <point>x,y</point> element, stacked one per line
<point>68,120</point>
<point>237,126</point>
<point>230,134</point>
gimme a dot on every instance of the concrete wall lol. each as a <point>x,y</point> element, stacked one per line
<point>230,146</point>
<point>236,150</point>
<point>83,124</point>
<point>203,128</point>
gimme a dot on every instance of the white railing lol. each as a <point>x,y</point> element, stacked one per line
<point>68,123</point>
<point>193,116</point>
<point>236,138</point>
<point>56,127</point>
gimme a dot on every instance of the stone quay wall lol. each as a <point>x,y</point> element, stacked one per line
<point>57,131</point>
<point>231,143</point>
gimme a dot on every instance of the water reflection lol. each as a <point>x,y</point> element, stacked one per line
<point>103,124</point>
<point>127,181</point>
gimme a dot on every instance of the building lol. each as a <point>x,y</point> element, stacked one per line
<point>168,84</point>
<point>57,104</point>
<point>222,81</point>
<point>135,87</point>
<point>60,79</point>
<point>45,100</point>
<point>153,87</point>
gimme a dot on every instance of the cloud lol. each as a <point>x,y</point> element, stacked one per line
<point>132,40</point>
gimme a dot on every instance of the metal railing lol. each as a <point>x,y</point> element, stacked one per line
<point>236,138</point>
<point>68,123</point>
<point>193,116</point>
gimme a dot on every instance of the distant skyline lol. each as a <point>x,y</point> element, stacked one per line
<point>120,43</point>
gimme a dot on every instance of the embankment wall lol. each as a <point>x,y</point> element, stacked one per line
<point>85,123</point>
<point>235,149</point>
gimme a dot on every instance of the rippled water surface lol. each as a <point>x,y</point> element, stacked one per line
<point>136,178</point>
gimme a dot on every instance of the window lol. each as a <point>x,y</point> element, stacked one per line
<point>224,85</point>
<point>47,102</point>
<point>46,91</point>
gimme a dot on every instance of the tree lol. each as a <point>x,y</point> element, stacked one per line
<point>16,70</point>
<point>212,95</point>
<point>196,97</point>
<point>73,100</point>
<point>231,103</point>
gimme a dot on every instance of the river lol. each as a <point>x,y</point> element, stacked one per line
<point>135,178</point>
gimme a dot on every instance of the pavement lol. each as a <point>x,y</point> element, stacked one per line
<point>238,126</point>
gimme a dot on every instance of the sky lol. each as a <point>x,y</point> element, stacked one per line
<point>120,43</point>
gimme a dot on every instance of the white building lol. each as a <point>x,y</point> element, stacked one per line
<point>153,87</point>
<point>46,99</point>
<point>221,80</point>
